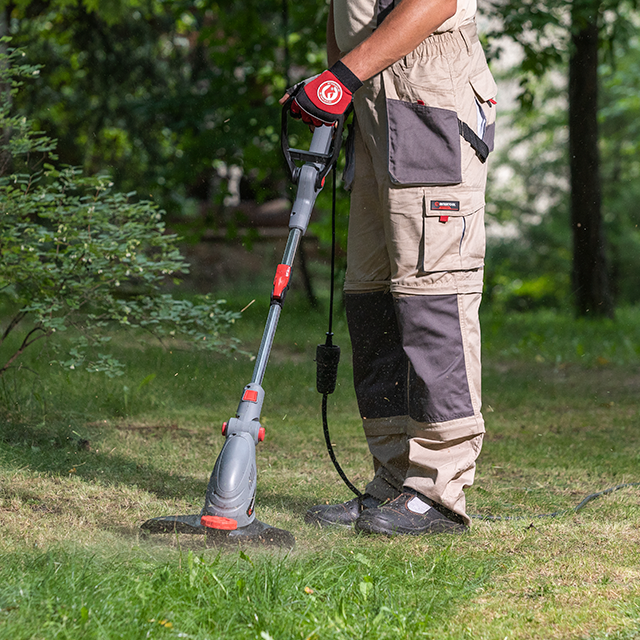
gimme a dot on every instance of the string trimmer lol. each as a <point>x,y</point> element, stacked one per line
<point>228,515</point>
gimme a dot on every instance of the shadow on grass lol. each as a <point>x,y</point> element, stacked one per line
<point>57,451</point>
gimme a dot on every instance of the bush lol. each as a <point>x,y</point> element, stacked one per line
<point>75,254</point>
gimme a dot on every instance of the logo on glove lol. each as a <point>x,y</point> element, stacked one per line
<point>329,93</point>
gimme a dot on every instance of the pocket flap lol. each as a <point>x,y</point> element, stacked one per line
<point>484,85</point>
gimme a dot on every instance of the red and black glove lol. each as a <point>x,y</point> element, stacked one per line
<point>326,97</point>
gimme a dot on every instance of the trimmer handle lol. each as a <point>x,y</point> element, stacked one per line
<point>325,161</point>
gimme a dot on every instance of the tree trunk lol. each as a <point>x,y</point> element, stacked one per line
<point>590,277</point>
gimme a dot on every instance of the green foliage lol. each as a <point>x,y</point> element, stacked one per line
<point>620,149</point>
<point>109,10</point>
<point>167,97</point>
<point>528,190</point>
<point>107,92</point>
<point>549,36</point>
<point>170,94</point>
<point>528,194</point>
<point>18,138</point>
<point>75,254</point>
<point>543,31</point>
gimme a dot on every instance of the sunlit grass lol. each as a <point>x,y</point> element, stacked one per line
<point>84,460</point>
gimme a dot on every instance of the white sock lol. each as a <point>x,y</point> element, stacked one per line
<point>417,505</point>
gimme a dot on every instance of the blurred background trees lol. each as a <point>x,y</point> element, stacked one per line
<point>563,158</point>
<point>177,100</point>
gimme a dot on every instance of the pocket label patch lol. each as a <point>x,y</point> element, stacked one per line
<point>445,205</point>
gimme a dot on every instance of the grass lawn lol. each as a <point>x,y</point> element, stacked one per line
<point>84,460</point>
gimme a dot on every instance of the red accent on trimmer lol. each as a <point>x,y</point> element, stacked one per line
<point>218,522</point>
<point>250,395</point>
<point>281,281</point>
<point>261,432</point>
<point>443,218</point>
<point>224,428</point>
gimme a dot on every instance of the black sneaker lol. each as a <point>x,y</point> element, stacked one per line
<point>340,515</point>
<point>409,514</point>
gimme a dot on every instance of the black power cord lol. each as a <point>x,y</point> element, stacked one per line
<point>562,512</point>
<point>328,354</point>
<point>327,360</point>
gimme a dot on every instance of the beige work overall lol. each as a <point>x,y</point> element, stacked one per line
<point>423,130</point>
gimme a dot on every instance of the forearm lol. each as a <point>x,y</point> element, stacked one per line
<point>410,22</point>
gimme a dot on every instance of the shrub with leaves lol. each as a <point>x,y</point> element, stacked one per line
<point>74,254</point>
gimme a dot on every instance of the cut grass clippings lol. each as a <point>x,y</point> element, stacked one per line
<point>84,460</point>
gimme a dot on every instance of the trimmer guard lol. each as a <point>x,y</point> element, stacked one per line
<point>257,532</point>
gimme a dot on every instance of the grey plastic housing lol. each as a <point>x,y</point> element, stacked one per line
<point>232,487</point>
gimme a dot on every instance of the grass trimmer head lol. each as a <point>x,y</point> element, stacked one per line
<point>257,532</point>
<point>228,515</point>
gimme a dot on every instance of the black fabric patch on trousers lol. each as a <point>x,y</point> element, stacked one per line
<point>384,9</point>
<point>432,340</point>
<point>424,144</point>
<point>379,362</point>
<point>477,144</point>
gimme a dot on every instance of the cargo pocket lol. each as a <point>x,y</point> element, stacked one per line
<point>485,89</point>
<point>424,144</point>
<point>453,238</point>
<point>436,104</point>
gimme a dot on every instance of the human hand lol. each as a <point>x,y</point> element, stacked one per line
<point>323,99</point>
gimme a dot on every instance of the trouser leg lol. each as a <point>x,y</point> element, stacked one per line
<point>441,339</point>
<point>380,380</point>
<point>417,381</point>
<point>401,240</point>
